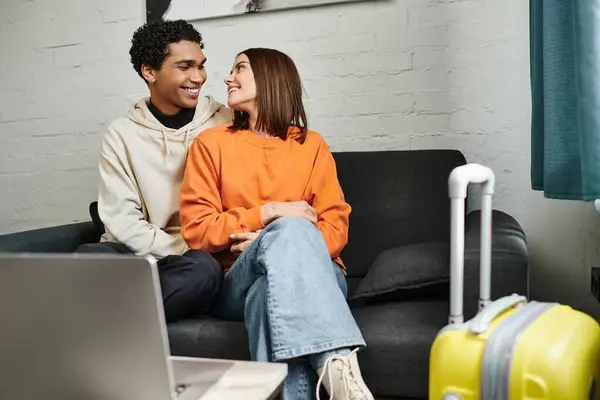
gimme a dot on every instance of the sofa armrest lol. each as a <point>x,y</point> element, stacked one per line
<point>57,239</point>
<point>510,264</point>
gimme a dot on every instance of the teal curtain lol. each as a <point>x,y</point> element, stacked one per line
<point>565,92</point>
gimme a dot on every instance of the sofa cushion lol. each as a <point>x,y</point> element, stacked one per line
<point>399,336</point>
<point>209,337</point>
<point>404,271</point>
<point>395,362</point>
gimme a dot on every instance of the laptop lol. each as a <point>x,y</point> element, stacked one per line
<point>90,326</point>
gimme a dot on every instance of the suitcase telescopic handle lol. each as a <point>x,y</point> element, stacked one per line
<point>458,182</point>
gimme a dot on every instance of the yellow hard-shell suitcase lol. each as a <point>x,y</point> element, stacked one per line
<point>512,349</point>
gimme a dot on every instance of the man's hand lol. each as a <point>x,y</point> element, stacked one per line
<point>243,240</point>
<point>272,211</point>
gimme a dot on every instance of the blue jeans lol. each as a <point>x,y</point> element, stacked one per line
<point>292,298</point>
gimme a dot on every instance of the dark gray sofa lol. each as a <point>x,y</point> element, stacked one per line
<point>399,198</point>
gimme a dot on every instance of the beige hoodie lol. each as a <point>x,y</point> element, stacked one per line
<point>141,169</point>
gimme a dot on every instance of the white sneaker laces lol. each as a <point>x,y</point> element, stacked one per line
<point>347,376</point>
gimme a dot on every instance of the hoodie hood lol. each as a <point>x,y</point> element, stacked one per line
<point>140,114</point>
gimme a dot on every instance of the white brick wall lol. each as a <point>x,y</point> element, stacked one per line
<point>64,74</point>
<point>397,74</point>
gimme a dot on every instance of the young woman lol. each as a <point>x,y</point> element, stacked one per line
<point>262,196</point>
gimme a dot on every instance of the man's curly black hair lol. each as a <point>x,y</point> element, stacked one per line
<point>150,42</point>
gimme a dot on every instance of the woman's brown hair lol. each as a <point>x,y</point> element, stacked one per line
<point>278,94</point>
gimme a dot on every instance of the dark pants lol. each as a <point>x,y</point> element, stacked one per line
<point>188,282</point>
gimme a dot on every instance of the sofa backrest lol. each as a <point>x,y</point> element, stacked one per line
<point>397,198</point>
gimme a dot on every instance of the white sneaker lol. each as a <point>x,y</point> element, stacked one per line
<point>344,381</point>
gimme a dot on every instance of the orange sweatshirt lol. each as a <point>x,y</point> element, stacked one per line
<point>229,175</point>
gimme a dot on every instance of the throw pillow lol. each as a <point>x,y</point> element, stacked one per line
<point>406,271</point>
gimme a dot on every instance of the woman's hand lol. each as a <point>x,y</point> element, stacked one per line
<point>243,240</point>
<point>271,211</point>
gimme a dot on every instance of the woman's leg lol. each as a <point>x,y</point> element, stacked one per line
<point>318,360</point>
<point>306,312</point>
<point>301,379</point>
<point>338,369</point>
<point>251,307</point>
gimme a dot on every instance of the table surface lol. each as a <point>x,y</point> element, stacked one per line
<point>215,379</point>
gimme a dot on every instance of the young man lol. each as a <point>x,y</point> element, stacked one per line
<point>142,161</point>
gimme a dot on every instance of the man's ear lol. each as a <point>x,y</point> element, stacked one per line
<point>149,74</point>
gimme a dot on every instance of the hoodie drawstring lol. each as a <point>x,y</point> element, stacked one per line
<point>166,143</point>
<point>185,142</point>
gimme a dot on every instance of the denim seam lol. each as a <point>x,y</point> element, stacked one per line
<point>272,306</point>
<point>276,329</point>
